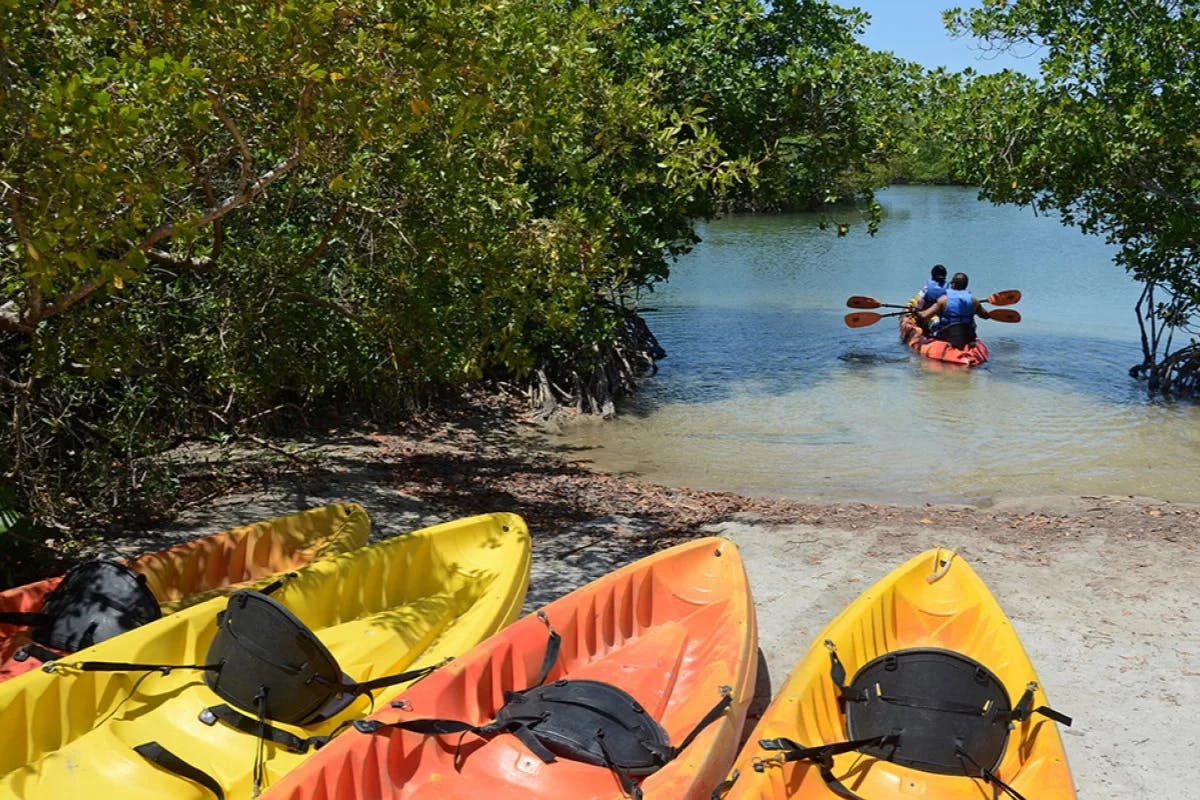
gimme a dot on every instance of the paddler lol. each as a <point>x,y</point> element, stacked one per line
<point>956,311</point>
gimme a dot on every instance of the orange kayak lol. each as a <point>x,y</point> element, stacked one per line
<point>911,334</point>
<point>194,571</point>
<point>920,688</point>
<point>673,633</point>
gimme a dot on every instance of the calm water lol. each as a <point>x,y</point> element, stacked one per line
<point>765,391</point>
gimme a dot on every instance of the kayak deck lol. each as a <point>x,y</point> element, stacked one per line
<point>671,630</point>
<point>935,600</point>
<point>912,335</point>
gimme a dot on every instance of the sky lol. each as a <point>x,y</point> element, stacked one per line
<point>912,29</point>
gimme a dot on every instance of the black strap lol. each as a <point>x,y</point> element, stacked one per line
<point>822,752</point>
<point>241,722</point>
<point>948,706</point>
<point>836,670</point>
<point>121,666</point>
<point>391,680</point>
<point>276,584</point>
<point>628,785</point>
<point>427,727</point>
<point>724,786</point>
<point>1024,708</point>
<point>989,777</point>
<point>23,618</point>
<point>837,673</point>
<point>822,757</point>
<point>522,732</point>
<point>553,643</point>
<point>439,727</point>
<point>712,716</point>
<point>157,754</point>
<point>35,650</point>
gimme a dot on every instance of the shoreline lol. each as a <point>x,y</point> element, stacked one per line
<point>1101,589</point>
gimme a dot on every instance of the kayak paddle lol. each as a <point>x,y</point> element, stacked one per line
<point>1005,298</point>
<point>861,319</point>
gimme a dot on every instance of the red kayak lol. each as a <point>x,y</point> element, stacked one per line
<point>971,355</point>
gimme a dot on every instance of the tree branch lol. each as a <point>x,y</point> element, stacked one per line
<point>11,90</point>
<point>236,133</point>
<point>28,320</point>
<point>1155,188</point>
<point>165,259</point>
<point>234,201</point>
<point>316,252</point>
<point>14,387</point>
<point>33,289</point>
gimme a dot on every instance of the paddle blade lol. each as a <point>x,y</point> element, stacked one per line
<point>858,301</point>
<point>862,319</point>
<point>1006,298</point>
<point>1005,315</point>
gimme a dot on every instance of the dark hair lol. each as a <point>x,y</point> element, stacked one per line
<point>959,281</point>
<point>938,273</point>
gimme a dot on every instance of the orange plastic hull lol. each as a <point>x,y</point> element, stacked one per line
<point>972,355</point>
<point>935,600</point>
<point>194,571</point>
<point>670,629</point>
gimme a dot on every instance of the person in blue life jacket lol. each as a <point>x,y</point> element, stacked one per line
<point>956,311</point>
<point>934,288</point>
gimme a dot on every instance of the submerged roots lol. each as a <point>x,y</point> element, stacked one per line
<point>559,388</point>
<point>1178,374</point>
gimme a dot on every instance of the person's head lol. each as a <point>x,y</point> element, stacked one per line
<point>959,281</point>
<point>938,273</point>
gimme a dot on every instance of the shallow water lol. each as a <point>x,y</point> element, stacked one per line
<point>766,391</point>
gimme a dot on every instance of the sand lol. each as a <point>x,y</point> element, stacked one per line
<point>1102,590</point>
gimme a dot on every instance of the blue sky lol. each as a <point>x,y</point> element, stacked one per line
<point>912,29</point>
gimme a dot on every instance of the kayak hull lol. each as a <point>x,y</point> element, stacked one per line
<point>197,570</point>
<point>934,601</point>
<point>402,604</point>
<point>911,334</point>
<point>671,630</point>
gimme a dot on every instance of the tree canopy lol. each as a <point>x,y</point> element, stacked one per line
<point>215,211</point>
<point>1107,138</point>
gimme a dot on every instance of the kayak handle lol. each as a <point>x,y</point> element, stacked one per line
<point>940,565</point>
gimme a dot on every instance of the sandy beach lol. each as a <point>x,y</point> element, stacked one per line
<point>1102,590</point>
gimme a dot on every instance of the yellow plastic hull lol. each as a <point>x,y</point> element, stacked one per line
<point>934,600</point>
<point>402,604</point>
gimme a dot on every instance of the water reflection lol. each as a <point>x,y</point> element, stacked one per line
<point>766,391</point>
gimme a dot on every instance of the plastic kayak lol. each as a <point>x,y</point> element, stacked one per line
<point>189,573</point>
<point>674,631</point>
<point>911,334</point>
<point>408,602</point>
<point>942,695</point>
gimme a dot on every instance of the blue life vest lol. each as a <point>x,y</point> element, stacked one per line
<point>933,291</point>
<point>960,309</point>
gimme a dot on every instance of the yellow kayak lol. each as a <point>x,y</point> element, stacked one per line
<point>398,606</point>
<point>189,573</point>
<point>919,688</point>
<point>202,568</point>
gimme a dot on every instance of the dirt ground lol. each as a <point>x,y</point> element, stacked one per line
<point>1102,590</point>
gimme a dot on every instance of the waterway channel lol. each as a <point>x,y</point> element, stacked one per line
<point>766,392</point>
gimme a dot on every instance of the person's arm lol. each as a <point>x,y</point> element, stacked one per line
<point>980,310</point>
<point>934,310</point>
